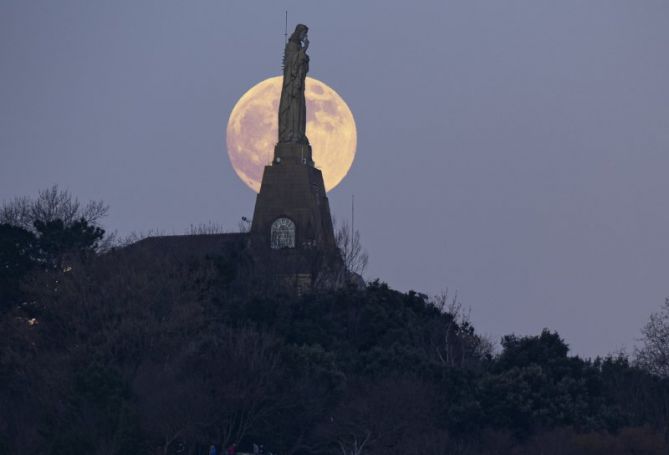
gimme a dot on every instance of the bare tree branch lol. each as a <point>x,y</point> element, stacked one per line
<point>352,252</point>
<point>206,229</point>
<point>654,354</point>
<point>49,205</point>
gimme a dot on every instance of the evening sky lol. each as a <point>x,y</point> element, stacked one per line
<point>514,152</point>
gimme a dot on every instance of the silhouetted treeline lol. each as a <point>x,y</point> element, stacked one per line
<point>132,352</point>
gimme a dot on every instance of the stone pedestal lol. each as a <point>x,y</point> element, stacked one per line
<point>293,153</point>
<point>292,188</point>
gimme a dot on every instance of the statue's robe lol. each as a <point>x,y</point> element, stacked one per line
<point>292,107</point>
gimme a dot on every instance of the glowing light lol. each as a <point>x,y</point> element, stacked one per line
<point>253,124</point>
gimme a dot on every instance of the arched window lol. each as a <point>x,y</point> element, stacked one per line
<point>282,234</point>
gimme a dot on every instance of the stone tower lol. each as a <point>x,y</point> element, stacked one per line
<point>292,209</point>
<point>292,227</point>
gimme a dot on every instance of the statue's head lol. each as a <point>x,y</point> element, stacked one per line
<point>300,33</point>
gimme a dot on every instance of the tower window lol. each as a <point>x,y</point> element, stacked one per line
<point>282,234</point>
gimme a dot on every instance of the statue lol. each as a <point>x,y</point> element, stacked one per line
<point>292,107</point>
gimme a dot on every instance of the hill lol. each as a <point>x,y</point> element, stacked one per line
<point>138,350</point>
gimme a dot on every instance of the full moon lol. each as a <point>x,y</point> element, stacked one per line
<point>253,130</point>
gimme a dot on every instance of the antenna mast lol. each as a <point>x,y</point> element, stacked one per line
<point>285,30</point>
<point>352,216</point>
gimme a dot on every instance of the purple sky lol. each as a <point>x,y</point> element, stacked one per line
<point>516,152</point>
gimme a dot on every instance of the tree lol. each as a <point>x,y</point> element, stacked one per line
<point>238,383</point>
<point>546,350</point>
<point>353,254</point>
<point>458,344</point>
<point>51,204</point>
<point>654,354</point>
<point>57,240</point>
<point>169,405</point>
<point>46,247</point>
<point>17,253</point>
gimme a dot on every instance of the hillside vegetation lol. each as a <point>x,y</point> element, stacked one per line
<point>123,351</point>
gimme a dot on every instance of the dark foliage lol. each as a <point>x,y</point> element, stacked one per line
<point>57,240</point>
<point>18,249</point>
<point>50,246</point>
<point>131,352</point>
